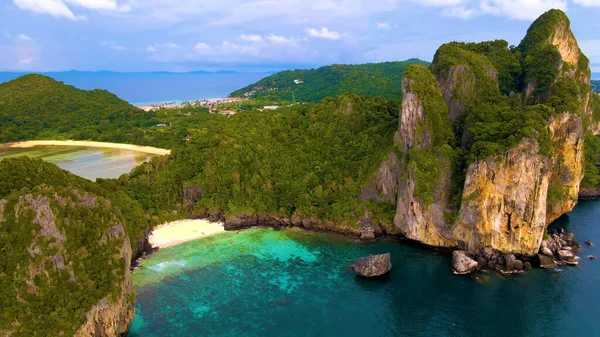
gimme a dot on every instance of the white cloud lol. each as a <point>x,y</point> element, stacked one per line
<point>201,46</point>
<point>151,49</point>
<point>439,3</point>
<point>24,38</point>
<point>60,8</point>
<point>588,3</point>
<point>324,33</point>
<point>109,5</point>
<point>25,61</point>
<point>459,12</point>
<point>55,8</point>
<point>276,39</point>
<point>383,25</point>
<point>251,38</point>
<point>21,38</point>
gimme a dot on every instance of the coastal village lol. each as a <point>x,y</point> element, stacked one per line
<point>224,106</point>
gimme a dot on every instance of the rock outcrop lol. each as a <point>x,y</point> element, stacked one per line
<point>567,133</point>
<point>504,201</point>
<point>76,245</point>
<point>514,187</point>
<point>462,263</point>
<point>373,265</point>
<point>425,132</point>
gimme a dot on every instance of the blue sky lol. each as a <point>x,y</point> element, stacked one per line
<point>258,35</point>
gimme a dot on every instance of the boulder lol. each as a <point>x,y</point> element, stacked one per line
<point>591,257</point>
<point>373,265</point>
<point>527,265</point>
<point>368,234</point>
<point>588,243</point>
<point>462,264</point>
<point>509,262</point>
<point>566,255</point>
<point>488,253</point>
<point>518,265</point>
<point>546,251</point>
<point>546,262</point>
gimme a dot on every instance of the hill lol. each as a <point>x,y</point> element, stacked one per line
<point>67,246</point>
<point>374,79</point>
<point>39,107</point>
<point>36,107</point>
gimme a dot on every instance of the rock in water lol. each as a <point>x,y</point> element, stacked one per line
<point>546,262</point>
<point>373,265</point>
<point>546,251</point>
<point>589,243</point>
<point>462,264</point>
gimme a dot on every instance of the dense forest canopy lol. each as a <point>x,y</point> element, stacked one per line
<point>374,79</point>
<point>310,160</point>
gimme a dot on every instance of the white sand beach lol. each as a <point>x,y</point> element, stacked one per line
<point>85,143</point>
<point>177,232</point>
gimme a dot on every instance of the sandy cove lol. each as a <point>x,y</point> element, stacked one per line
<point>86,143</point>
<point>177,232</point>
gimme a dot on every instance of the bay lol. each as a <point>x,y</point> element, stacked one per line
<point>262,282</point>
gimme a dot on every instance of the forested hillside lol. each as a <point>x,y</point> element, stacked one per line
<point>308,161</point>
<point>66,244</point>
<point>374,79</point>
<point>38,107</point>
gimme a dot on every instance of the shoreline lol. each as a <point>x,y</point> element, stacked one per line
<point>87,143</point>
<point>181,231</point>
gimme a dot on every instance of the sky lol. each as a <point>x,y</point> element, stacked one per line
<point>261,35</point>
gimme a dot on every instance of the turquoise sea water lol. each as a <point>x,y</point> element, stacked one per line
<point>262,282</point>
<point>90,163</point>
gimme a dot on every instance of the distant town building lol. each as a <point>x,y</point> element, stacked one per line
<point>228,112</point>
<point>271,107</point>
<point>298,81</point>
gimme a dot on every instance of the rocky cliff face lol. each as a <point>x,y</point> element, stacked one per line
<point>567,167</point>
<point>72,232</point>
<point>504,201</point>
<point>508,199</point>
<point>111,317</point>
<point>426,165</point>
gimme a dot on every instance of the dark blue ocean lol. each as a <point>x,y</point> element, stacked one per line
<point>155,87</point>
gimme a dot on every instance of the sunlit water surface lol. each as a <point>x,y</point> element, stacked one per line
<point>262,282</point>
<point>90,163</point>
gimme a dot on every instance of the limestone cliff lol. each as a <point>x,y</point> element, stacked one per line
<point>504,201</point>
<point>70,264</point>
<point>567,166</point>
<point>425,133</point>
<point>522,153</point>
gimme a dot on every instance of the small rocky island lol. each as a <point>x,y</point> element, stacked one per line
<point>372,266</point>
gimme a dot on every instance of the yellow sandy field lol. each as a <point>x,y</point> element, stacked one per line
<point>85,143</point>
